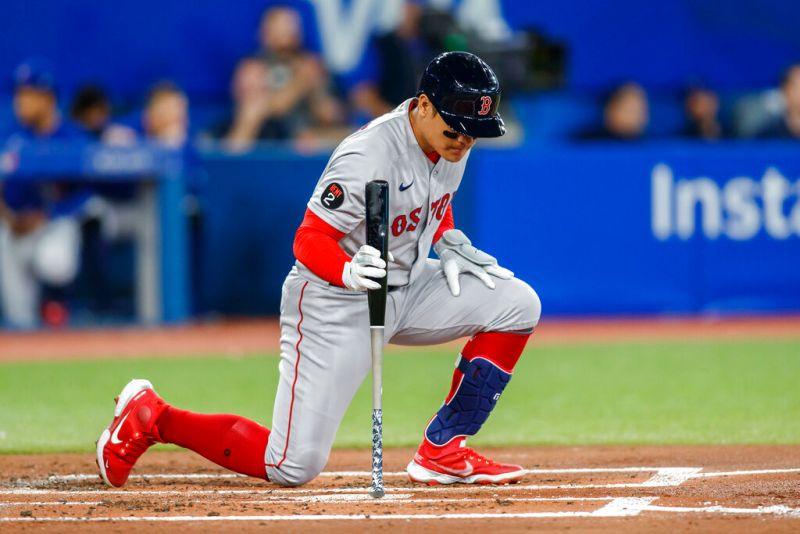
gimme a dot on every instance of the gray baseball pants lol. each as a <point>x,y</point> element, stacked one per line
<point>325,350</point>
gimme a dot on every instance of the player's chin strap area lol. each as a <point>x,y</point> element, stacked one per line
<point>473,401</point>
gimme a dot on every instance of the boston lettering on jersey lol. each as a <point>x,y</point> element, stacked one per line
<point>410,222</point>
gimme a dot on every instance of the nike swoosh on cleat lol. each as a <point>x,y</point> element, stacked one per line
<point>467,471</point>
<point>403,187</point>
<point>115,436</point>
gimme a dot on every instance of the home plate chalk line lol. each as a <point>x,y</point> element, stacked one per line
<point>615,507</point>
<point>666,471</point>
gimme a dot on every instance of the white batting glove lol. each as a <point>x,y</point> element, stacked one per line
<point>458,256</point>
<point>365,265</point>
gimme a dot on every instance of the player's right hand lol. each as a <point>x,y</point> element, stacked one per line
<point>360,273</point>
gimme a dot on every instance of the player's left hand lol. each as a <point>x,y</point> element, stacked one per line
<point>458,256</point>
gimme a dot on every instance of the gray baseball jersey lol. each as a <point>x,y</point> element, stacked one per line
<point>419,190</point>
<point>325,341</point>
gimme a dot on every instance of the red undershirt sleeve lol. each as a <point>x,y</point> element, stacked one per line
<point>316,245</point>
<point>448,223</point>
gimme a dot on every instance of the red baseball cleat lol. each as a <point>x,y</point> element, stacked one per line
<point>132,431</point>
<point>458,463</point>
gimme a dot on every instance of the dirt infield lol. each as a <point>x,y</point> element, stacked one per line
<point>260,336</point>
<point>702,488</point>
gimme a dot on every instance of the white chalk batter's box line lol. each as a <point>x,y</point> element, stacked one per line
<point>617,506</point>
<point>334,474</point>
<point>663,477</point>
<point>388,499</point>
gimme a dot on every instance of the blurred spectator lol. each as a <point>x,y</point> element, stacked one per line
<point>250,121</point>
<point>486,19</point>
<point>787,126</point>
<point>165,118</point>
<point>625,116</point>
<point>112,214</point>
<point>166,121</point>
<point>39,231</point>
<point>392,66</point>
<point>754,112</point>
<point>121,210</point>
<point>702,114</point>
<point>289,96</point>
<point>91,109</point>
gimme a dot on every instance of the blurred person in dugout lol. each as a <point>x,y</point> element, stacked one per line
<point>626,114</point>
<point>120,208</point>
<point>249,121</point>
<point>40,238</point>
<point>282,92</point>
<point>786,125</point>
<point>164,120</point>
<point>91,110</point>
<point>701,105</point>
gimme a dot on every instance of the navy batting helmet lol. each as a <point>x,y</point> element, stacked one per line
<point>465,90</point>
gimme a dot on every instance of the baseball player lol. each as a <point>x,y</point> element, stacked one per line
<point>40,239</point>
<point>421,149</point>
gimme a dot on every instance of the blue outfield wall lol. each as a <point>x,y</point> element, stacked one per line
<point>659,228</point>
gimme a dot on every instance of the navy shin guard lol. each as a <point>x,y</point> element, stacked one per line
<point>468,409</point>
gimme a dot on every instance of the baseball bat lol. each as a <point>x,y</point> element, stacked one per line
<point>377,205</point>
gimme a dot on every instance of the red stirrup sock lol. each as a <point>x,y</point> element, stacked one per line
<point>501,348</point>
<point>231,441</point>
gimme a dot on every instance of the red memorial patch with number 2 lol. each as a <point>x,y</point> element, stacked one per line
<point>333,196</point>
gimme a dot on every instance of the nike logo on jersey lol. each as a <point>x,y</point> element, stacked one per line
<point>115,436</point>
<point>403,186</point>
<point>467,471</point>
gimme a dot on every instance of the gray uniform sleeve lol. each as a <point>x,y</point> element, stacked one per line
<point>338,198</point>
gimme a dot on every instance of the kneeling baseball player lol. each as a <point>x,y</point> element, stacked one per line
<point>421,149</point>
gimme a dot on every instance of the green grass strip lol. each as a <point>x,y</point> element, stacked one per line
<point>614,393</point>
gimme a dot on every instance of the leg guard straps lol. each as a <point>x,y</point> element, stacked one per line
<point>468,409</point>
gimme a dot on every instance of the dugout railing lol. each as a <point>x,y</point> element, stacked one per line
<point>162,273</point>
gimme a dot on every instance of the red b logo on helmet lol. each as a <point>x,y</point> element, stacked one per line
<point>486,105</point>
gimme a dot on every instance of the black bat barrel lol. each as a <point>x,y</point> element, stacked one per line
<point>377,202</point>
